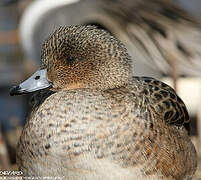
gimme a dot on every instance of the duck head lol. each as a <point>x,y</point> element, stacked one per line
<point>79,57</point>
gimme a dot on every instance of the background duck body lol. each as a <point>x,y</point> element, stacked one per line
<point>122,133</point>
<point>157,33</point>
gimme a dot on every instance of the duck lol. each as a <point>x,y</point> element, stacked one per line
<point>93,119</point>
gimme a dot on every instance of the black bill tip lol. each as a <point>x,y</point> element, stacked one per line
<point>16,90</point>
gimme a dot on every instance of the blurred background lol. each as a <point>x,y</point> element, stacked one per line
<point>162,36</point>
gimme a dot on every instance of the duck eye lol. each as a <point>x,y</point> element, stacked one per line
<point>70,59</point>
<point>37,77</point>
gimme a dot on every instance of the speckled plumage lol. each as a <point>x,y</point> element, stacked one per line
<point>106,124</point>
<point>88,66</point>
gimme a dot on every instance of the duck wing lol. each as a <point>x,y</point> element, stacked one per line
<point>163,100</point>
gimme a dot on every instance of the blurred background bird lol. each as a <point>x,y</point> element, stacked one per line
<point>157,32</point>
<point>162,36</point>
